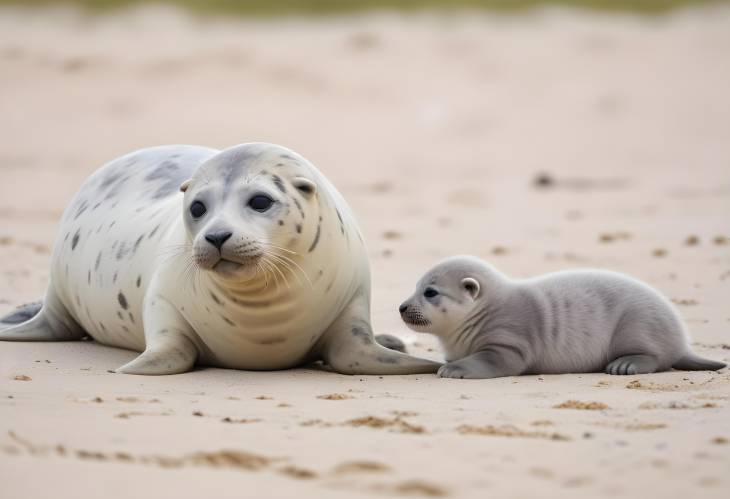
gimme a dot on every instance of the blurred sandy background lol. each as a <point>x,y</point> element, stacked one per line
<point>541,139</point>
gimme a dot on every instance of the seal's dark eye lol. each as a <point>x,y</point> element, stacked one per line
<point>430,293</point>
<point>260,202</point>
<point>197,209</point>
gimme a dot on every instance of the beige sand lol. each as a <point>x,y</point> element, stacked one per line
<point>434,129</point>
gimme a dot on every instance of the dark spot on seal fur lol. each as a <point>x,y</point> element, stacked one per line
<point>299,207</point>
<point>281,222</point>
<point>154,231</point>
<point>139,280</point>
<point>215,298</point>
<point>98,261</point>
<point>287,156</point>
<point>168,172</point>
<point>122,251</point>
<point>103,327</point>
<point>119,314</point>
<point>279,183</point>
<point>125,329</point>
<point>137,243</point>
<point>88,278</point>
<point>299,228</point>
<point>228,321</point>
<point>316,239</point>
<point>75,239</point>
<point>131,317</point>
<point>81,209</point>
<point>342,224</point>
<point>114,279</point>
<point>122,300</point>
<point>362,334</point>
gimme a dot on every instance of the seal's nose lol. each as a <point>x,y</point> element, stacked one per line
<point>402,309</point>
<point>218,238</point>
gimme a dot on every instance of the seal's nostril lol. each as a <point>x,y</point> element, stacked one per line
<point>218,238</point>
<point>403,308</point>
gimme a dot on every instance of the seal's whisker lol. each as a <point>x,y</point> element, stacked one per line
<point>277,269</point>
<point>291,261</point>
<point>274,259</point>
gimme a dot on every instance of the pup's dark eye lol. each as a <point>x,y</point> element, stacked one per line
<point>430,293</point>
<point>260,202</point>
<point>197,209</point>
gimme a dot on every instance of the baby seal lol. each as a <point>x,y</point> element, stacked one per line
<point>258,265</point>
<point>574,321</point>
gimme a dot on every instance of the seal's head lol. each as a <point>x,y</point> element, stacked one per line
<point>246,209</point>
<point>449,294</point>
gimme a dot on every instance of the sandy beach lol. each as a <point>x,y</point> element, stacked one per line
<point>541,141</point>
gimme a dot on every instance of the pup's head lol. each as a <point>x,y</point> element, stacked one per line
<point>448,294</point>
<point>245,209</point>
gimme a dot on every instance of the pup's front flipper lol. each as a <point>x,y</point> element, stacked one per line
<point>348,347</point>
<point>169,349</point>
<point>495,362</point>
<point>633,364</point>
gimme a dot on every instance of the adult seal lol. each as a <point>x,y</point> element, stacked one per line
<point>259,265</point>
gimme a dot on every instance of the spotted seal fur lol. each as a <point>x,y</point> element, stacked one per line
<point>258,265</point>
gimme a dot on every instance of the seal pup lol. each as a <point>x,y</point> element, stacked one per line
<point>573,321</point>
<point>259,265</point>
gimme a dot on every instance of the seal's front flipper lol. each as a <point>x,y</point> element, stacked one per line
<point>169,349</point>
<point>349,347</point>
<point>40,321</point>
<point>494,362</point>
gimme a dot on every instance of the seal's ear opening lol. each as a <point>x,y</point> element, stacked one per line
<point>184,186</point>
<point>471,286</point>
<point>305,186</point>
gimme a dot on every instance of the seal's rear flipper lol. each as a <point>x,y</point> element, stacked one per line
<point>22,313</point>
<point>693,362</point>
<point>349,347</point>
<point>41,321</point>
<point>391,342</point>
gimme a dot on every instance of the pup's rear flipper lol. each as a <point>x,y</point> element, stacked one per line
<point>693,362</point>
<point>41,321</point>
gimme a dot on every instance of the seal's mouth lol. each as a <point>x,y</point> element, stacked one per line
<point>227,266</point>
<point>415,320</point>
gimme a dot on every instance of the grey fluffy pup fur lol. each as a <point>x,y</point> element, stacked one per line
<point>574,321</point>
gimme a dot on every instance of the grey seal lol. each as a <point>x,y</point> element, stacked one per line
<point>257,264</point>
<point>573,321</point>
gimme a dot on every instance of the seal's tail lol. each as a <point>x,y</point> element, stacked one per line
<point>40,321</point>
<point>21,314</point>
<point>693,362</point>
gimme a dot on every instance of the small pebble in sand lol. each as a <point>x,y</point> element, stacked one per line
<point>283,404</point>
<point>298,473</point>
<point>239,421</point>
<point>584,406</point>
<point>720,240</point>
<point>418,487</point>
<point>6,240</point>
<point>264,397</point>
<point>198,414</point>
<point>659,252</point>
<point>543,180</point>
<point>719,440</point>
<point>22,377</point>
<point>692,241</point>
<point>334,396</point>
<point>684,301</point>
<point>392,235</point>
<point>361,467</point>
<point>499,250</point>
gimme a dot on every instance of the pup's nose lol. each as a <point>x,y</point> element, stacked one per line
<point>402,309</point>
<point>218,238</point>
